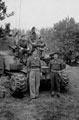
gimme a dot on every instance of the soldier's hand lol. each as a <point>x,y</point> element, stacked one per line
<point>40,73</point>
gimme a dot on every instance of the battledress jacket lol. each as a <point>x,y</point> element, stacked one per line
<point>56,65</point>
<point>33,36</point>
<point>33,63</point>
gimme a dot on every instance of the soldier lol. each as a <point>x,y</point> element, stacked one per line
<point>42,46</point>
<point>56,66</point>
<point>34,68</point>
<point>33,35</point>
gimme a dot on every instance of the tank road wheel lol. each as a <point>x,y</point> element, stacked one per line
<point>64,81</point>
<point>13,84</point>
<point>18,83</point>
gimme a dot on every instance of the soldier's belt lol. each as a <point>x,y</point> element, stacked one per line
<point>35,67</point>
<point>56,71</point>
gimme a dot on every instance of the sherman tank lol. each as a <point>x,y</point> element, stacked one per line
<point>16,72</point>
<point>15,65</point>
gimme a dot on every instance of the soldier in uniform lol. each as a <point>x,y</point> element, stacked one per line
<point>42,46</point>
<point>56,66</point>
<point>34,68</point>
<point>33,35</point>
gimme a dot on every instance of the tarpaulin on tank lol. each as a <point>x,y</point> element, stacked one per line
<point>8,61</point>
<point>4,43</point>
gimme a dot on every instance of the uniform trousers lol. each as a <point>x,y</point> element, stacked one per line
<point>34,82</point>
<point>55,81</point>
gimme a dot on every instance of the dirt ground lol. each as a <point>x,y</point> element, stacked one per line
<point>45,107</point>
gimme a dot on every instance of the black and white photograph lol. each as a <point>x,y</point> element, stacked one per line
<point>39,59</point>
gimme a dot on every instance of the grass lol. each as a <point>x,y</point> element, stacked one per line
<point>45,107</point>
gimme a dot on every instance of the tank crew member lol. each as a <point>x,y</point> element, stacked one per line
<point>34,68</point>
<point>55,68</point>
<point>42,45</point>
<point>33,35</point>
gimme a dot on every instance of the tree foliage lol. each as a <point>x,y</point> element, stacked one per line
<point>66,32</point>
<point>48,37</point>
<point>63,37</point>
<point>3,15</point>
<point>3,11</point>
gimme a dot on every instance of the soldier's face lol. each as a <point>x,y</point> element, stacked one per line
<point>34,30</point>
<point>34,53</point>
<point>55,56</point>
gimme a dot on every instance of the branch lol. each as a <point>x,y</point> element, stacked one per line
<point>9,15</point>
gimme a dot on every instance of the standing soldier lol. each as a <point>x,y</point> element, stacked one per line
<point>55,68</point>
<point>34,67</point>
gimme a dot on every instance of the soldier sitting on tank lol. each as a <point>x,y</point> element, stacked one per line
<point>56,65</point>
<point>34,67</point>
<point>41,46</point>
<point>23,48</point>
<point>33,35</point>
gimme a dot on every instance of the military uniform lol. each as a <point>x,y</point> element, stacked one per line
<point>42,46</point>
<point>34,67</point>
<point>55,67</point>
<point>33,36</point>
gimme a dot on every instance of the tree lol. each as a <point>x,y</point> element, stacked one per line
<point>66,32</point>
<point>3,15</point>
<point>63,37</point>
<point>3,11</point>
<point>47,35</point>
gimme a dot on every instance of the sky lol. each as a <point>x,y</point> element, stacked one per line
<point>40,13</point>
